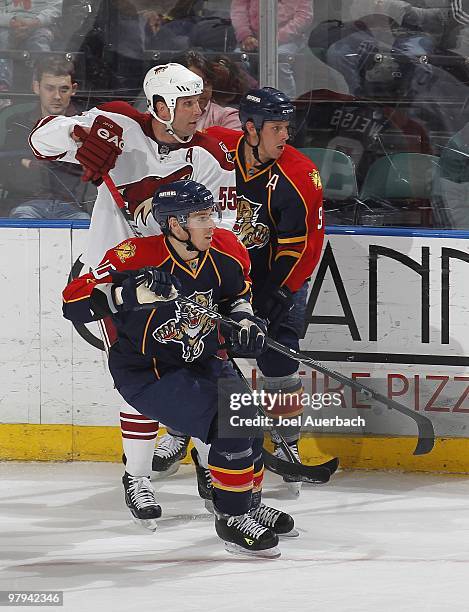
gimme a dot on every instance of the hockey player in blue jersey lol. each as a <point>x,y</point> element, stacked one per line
<point>167,351</point>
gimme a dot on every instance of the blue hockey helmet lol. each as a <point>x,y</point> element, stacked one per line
<point>179,199</point>
<point>265,104</point>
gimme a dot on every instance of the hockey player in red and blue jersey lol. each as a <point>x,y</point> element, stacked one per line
<point>280,222</point>
<point>166,350</point>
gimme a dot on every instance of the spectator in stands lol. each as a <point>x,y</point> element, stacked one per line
<point>212,113</point>
<point>43,190</point>
<point>415,32</point>
<point>170,30</point>
<point>295,18</point>
<point>123,26</point>
<point>230,81</point>
<point>26,24</point>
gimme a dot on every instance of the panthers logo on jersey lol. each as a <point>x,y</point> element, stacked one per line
<point>189,327</point>
<point>252,234</point>
<point>126,250</point>
<point>314,176</point>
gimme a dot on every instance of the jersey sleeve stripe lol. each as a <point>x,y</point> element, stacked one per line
<point>297,248</point>
<point>247,287</point>
<point>289,254</point>
<point>83,297</point>
<point>290,240</point>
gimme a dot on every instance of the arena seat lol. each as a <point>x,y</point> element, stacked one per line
<point>339,183</point>
<point>401,186</point>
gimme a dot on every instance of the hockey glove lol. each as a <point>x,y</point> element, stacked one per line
<point>100,147</point>
<point>250,339</point>
<point>145,288</point>
<point>273,304</point>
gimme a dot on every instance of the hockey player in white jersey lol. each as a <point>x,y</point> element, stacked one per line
<point>140,151</point>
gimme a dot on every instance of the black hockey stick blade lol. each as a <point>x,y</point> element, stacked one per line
<point>314,474</point>
<point>426,432</point>
<point>331,465</point>
<point>424,446</point>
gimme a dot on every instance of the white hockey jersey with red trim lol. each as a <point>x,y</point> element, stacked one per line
<point>143,165</point>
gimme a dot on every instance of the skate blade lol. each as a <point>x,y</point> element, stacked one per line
<point>149,524</point>
<point>291,534</point>
<point>208,503</point>
<point>294,488</point>
<point>160,475</point>
<point>269,553</point>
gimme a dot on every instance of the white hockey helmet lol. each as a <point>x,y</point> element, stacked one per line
<point>170,82</point>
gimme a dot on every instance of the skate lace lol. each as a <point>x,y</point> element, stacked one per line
<point>266,514</point>
<point>169,445</point>
<point>247,525</point>
<point>141,492</point>
<point>279,452</point>
<point>208,478</point>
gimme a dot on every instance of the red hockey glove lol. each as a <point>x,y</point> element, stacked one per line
<point>100,148</point>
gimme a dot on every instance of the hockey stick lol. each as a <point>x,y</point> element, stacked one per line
<point>120,203</point>
<point>426,433</point>
<point>315,474</point>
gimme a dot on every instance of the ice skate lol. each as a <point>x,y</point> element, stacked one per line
<point>168,453</point>
<point>276,520</point>
<point>141,501</point>
<point>245,536</point>
<point>204,481</point>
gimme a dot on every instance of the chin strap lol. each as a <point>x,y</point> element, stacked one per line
<point>188,243</point>
<point>255,152</point>
<point>169,127</point>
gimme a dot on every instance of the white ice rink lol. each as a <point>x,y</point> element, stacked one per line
<point>368,541</point>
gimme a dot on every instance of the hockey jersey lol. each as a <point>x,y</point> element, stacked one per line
<point>173,333</point>
<point>279,215</point>
<point>143,165</point>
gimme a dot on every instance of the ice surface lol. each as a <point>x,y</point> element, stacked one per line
<point>368,541</point>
